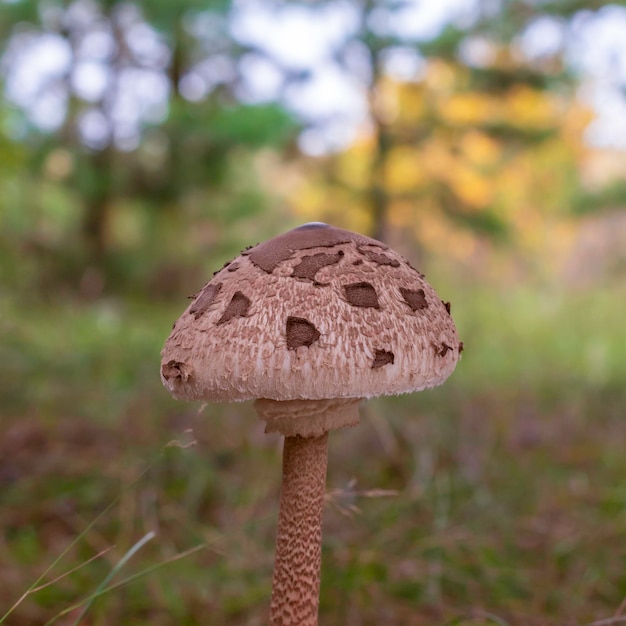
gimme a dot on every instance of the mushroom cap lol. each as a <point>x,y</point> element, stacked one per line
<point>317,312</point>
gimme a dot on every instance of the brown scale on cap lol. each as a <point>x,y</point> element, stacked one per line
<point>173,370</point>
<point>362,294</point>
<point>237,307</point>
<point>443,349</point>
<point>300,332</point>
<point>270,254</point>
<point>415,298</point>
<point>310,265</point>
<point>377,257</point>
<point>381,358</point>
<point>204,299</point>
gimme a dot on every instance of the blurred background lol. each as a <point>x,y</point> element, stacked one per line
<point>142,145</point>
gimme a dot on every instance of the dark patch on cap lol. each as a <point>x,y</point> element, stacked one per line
<point>300,332</point>
<point>448,306</point>
<point>204,299</point>
<point>269,254</point>
<point>232,267</point>
<point>175,370</point>
<point>358,262</point>
<point>310,265</point>
<point>415,298</point>
<point>443,349</point>
<point>362,294</point>
<point>237,307</point>
<point>378,258</point>
<point>381,358</point>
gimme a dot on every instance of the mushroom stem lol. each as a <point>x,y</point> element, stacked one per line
<point>296,584</point>
<point>307,418</point>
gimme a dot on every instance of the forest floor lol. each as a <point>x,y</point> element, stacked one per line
<point>498,498</point>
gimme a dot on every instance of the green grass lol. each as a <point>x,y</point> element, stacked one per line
<point>509,504</point>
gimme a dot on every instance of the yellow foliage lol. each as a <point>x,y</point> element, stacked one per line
<point>573,123</point>
<point>384,101</point>
<point>436,158</point>
<point>339,206</point>
<point>410,100</point>
<point>441,146</point>
<point>353,167</point>
<point>402,214</point>
<point>438,234</point>
<point>472,188</point>
<point>432,226</point>
<point>441,76</point>
<point>480,149</point>
<point>404,170</point>
<point>310,202</point>
<point>470,108</point>
<point>528,107</point>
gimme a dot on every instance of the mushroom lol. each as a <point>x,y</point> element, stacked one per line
<point>308,324</point>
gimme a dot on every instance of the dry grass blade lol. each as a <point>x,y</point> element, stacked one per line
<point>621,609</point>
<point>133,550</point>
<point>477,618</point>
<point>37,583</point>
<point>103,590</point>
<point>608,621</point>
<point>32,590</point>
<point>343,499</point>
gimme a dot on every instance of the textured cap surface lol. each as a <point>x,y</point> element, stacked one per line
<point>318,312</point>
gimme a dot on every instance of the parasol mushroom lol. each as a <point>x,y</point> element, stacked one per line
<point>308,324</point>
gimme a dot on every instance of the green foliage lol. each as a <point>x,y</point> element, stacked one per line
<point>610,197</point>
<point>253,126</point>
<point>192,173</point>
<point>166,16</point>
<point>445,45</point>
<point>499,80</point>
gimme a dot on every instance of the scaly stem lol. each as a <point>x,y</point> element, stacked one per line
<point>296,584</point>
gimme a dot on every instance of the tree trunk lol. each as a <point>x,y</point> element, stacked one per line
<point>97,207</point>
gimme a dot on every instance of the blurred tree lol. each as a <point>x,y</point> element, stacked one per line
<point>461,165</point>
<point>483,49</point>
<point>140,118</point>
<point>133,113</point>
